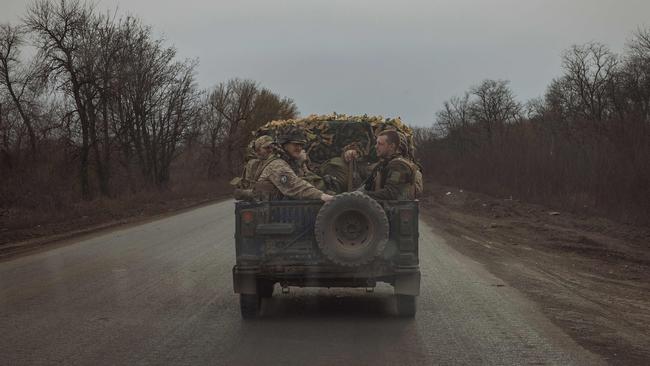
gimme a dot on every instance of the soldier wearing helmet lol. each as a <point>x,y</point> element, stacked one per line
<point>257,151</point>
<point>279,176</point>
<point>263,149</point>
<point>395,177</point>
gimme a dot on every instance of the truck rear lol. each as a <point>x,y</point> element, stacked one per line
<point>353,241</point>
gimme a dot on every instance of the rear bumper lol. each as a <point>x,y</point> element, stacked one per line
<point>406,280</point>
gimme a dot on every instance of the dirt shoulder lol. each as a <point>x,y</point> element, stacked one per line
<point>591,276</point>
<point>24,230</point>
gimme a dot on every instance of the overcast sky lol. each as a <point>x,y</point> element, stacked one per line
<point>390,58</point>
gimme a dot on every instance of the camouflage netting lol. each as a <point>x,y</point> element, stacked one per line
<point>328,135</point>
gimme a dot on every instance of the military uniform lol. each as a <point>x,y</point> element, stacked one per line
<point>392,179</point>
<point>276,179</point>
<point>248,175</point>
<point>280,176</point>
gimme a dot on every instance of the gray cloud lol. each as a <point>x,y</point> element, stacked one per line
<point>380,57</point>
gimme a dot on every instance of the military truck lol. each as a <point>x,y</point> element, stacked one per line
<point>351,241</point>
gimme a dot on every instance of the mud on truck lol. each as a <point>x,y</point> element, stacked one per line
<point>351,241</point>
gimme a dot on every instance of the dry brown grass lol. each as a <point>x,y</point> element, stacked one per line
<point>24,223</point>
<point>41,197</point>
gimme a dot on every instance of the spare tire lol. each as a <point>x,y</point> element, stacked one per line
<point>352,229</point>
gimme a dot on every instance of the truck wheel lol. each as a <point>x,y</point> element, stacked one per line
<point>405,305</point>
<point>265,289</point>
<point>352,229</point>
<point>249,305</point>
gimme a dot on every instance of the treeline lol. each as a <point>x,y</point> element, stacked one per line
<point>584,145</point>
<point>103,108</point>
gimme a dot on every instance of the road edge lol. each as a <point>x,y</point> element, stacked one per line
<point>27,247</point>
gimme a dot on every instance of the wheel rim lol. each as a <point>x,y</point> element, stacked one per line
<point>353,230</point>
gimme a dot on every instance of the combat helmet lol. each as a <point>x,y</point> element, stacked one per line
<point>263,141</point>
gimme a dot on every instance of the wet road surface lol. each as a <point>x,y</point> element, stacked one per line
<point>161,293</point>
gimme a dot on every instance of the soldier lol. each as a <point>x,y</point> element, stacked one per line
<point>341,173</point>
<point>263,149</point>
<point>279,175</point>
<point>302,170</point>
<point>394,177</point>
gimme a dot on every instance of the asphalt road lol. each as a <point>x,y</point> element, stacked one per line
<point>161,293</point>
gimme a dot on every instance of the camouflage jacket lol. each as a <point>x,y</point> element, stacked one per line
<point>248,175</point>
<point>276,179</point>
<point>392,179</point>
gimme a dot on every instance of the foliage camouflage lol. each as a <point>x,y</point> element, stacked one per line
<point>328,135</point>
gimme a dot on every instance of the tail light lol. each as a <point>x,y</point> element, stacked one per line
<point>248,223</point>
<point>248,217</point>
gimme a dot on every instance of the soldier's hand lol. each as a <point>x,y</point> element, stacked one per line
<point>326,197</point>
<point>303,157</point>
<point>350,155</point>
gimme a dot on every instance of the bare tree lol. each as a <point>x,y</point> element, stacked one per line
<point>494,106</point>
<point>636,73</point>
<point>234,101</point>
<point>181,102</point>
<point>214,126</point>
<point>7,128</point>
<point>16,78</point>
<point>98,56</point>
<point>589,70</point>
<point>233,111</point>
<point>454,119</point>
<point>153,100</point>
<point>58,30</point>
<point>455,114</point>
<point>268,106</point>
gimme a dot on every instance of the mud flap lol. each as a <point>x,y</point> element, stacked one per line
<point>244,281</point>
<point>407,283</point>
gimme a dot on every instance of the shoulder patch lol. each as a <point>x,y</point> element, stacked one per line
<point>284,179</point>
